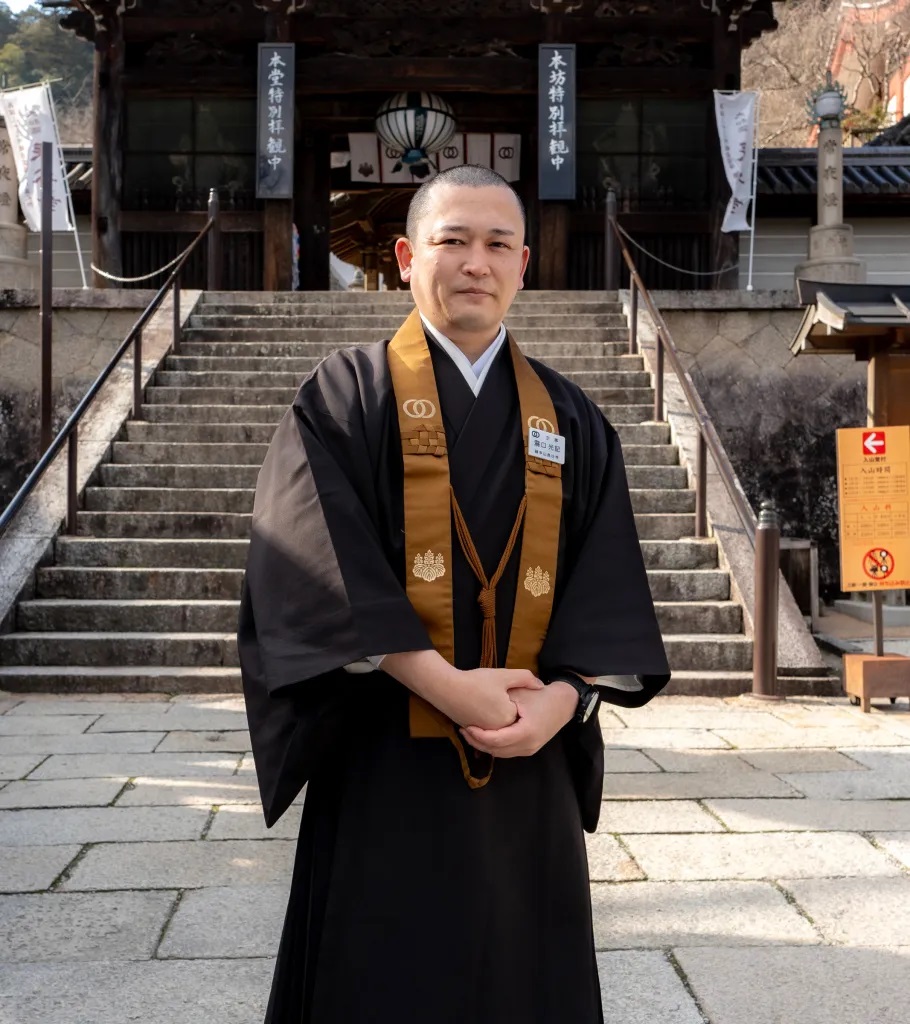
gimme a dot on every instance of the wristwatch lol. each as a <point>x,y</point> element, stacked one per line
<point>588,696</point>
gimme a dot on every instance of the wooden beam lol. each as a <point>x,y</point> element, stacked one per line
<point>189,222</point>
<point>385,74</point>
<point>553,256</point>
<point>108,144</point>
<point>312,205</point>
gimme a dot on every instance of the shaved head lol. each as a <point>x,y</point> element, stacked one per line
<point>470,175</point>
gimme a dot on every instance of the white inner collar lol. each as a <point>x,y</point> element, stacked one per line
<point>474,373</point>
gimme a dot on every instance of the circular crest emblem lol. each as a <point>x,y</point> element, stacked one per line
<point>419,409</point>
<point>506,152</point>
<point>539,423</point>
<point>450,152</point>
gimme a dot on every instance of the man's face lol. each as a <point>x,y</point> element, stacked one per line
<point>467,261</point>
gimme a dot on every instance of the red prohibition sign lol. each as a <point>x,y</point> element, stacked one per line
<point>878,564</point>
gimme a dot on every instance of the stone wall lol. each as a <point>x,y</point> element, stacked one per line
<point>88,326</point>
<point>775,412</point>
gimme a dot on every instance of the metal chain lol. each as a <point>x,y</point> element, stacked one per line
<point>670,266</point>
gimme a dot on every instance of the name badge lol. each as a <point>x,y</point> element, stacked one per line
<point>544,445</point>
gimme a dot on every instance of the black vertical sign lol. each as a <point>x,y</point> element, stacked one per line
<point>275,134</point>
<point>556,121</point>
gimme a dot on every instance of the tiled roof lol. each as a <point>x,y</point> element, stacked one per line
<point>793,172</point>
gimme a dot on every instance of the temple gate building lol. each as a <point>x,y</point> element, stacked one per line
<point>176,85</point>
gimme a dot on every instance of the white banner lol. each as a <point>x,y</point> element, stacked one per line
<point>736,129</point>
<point>30,121</point>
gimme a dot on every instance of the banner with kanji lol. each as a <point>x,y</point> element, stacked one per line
<point>736,130</point>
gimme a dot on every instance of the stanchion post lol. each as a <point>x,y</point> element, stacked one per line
<point>137,376</point>
<point>633,317</point>
<point>659,380</point>
<point>767,574</point>
<point>214,246</point>
<point>47,293</point>
<point>72,488</point>
<point>176,294</point>
<point>611,246</point>
<point>701,487</point>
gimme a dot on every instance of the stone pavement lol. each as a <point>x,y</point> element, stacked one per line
<point>752,864</point>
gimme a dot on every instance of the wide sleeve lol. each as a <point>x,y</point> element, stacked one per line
<point>604,622</point>
<point>319,591</point>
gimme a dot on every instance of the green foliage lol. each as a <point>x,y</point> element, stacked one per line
<point>34,47</point>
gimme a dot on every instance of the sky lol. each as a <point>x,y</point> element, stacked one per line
<point>20,5</point>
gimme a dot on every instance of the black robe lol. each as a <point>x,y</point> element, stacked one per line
<point>416,900</point>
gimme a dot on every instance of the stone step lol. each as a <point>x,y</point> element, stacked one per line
<point>176,525</point>
<point>139,679</point>
<point>208,476</point>
<point>696,617</point>
<point>292,345</point>
<point>665,527</point>
<point>240,499</point>
<point>302,365</point>
<point>648,434</point>
<point>345,337</point>
<point>717,653</point>
<point>121,584</point>
<point>217,650</point>
<point>376,325</point>
<point>150,553</point>
<point>149,453</point>
<point>278,378</point>
<point>400,297</point>
<point>183,650</point>
<point>118,679</point>
<point>55,616</point>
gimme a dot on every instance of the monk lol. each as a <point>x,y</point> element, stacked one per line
<point>443,569</point>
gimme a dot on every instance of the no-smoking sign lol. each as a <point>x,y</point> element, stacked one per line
<point>878,564</point>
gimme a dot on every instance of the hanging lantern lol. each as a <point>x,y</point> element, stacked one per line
<point>415,124</point>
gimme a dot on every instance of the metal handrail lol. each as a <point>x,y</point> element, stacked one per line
<point>708,439</point>
<point>69,432</point>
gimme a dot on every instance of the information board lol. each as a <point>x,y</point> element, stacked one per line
<point>275,148</point>
<point>873,489</point>
<point>556,122</point>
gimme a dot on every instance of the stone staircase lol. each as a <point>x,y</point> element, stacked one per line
<point>145,597</point>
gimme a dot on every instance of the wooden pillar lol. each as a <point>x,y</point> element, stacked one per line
<point>278,216</point>
<point>107,174</point>
<point>553,239</point>
<point>313,205</point>
<point>724,245</point>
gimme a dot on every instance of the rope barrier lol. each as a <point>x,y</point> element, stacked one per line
<point>143,277</point>
<point>670,266</point>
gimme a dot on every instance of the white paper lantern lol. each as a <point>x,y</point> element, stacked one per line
<point>416,123</point>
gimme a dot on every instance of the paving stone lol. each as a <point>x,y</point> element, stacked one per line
<point>857,911</point>
<point>53,827</point>
<point>698,760</point>
<point>15,766</point>
<point>713,717</point>
<point>183,865</point>
<point>897,844</point>
<point>89,704</point>
<point>665,739</point>
<point>627,761</point>
<point>812,986</point>
<point>861,785</point>
<point>183,740</point>
<point>643,987</point>
<point>41,725</point>
<point>894,760</point>
<point>87,766</point>
<point>789,737</point>
<point>32,868</point>
<point>781,761</point>
<point>694,786</point>
<point>812,815</point>
<point>751,856</point>
<point>8,704</point>
<point>814,716</point>
<point>155,992</point>
<point>75,926</point>
<point>85,743</point>
<point>196,792</point>
<point>245,821</point>
<point>635,915</point>
<point>241,921</point>
<point>662,816</point>
<point>62,793</point>
<point>210,702</point>
<point>178,717</point>
<point>608,861</point>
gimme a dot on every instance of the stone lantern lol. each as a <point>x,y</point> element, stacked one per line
<point>831,255</point>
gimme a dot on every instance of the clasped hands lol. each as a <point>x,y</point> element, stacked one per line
<point>503,712</point>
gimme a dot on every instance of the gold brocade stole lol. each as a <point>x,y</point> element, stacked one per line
<point>428,506</point>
